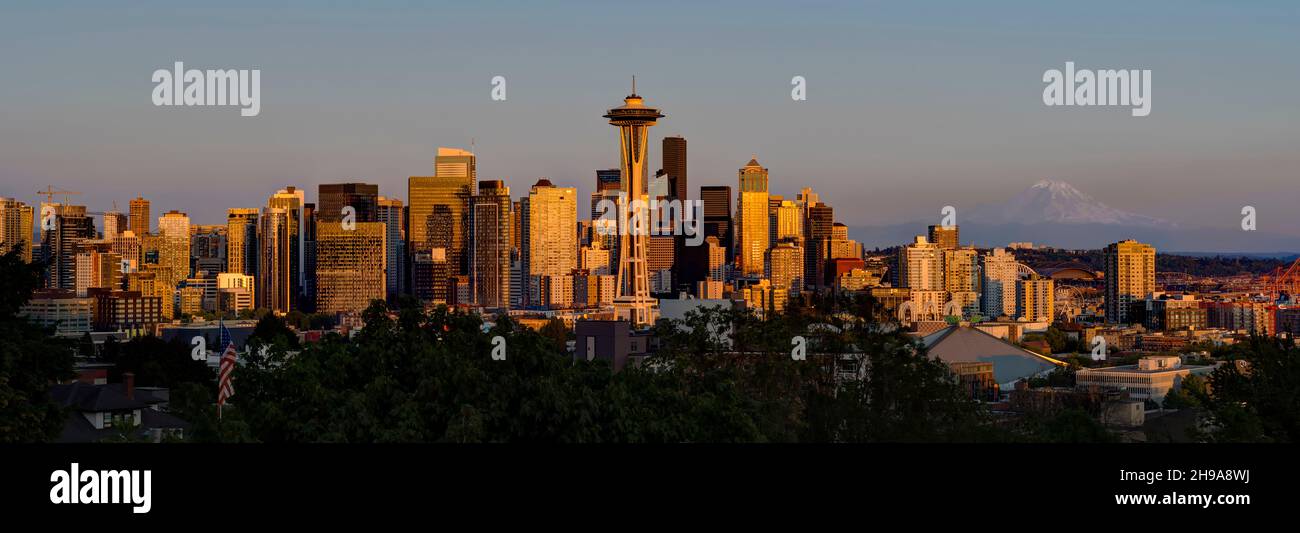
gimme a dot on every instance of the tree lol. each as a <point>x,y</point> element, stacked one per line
<point>157,363</point>
<point>271,329</point>
<point>1188,395</point>
<point>1072,425</point>
<point>557,332</point>
<point>1256,397</point>
<point>31,359</point>
<point>1056,339</point>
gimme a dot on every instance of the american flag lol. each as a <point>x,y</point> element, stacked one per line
<point>226,390</point>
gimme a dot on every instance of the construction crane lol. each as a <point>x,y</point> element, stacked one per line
<point>49,193</point>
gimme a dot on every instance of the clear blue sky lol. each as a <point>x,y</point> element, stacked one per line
<point>911,105</point>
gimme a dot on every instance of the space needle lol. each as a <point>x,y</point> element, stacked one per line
<point>633,120</point>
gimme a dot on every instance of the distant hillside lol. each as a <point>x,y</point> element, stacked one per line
<point>1197,265</point>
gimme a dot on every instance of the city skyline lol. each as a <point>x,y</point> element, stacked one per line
<point>1010,230</point>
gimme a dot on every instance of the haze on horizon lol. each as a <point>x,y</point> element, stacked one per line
<point>910,107</point>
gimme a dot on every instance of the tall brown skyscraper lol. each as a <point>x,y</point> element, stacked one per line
<point>273,272</point>
<point>349,266</point>
<point>60,246</point>
<point>489,244</point>
<point>717,214</point>
<point>139,217</point>
<point>674,166</point>
<point>817,236</point>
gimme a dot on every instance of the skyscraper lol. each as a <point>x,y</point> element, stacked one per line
<point>139,217</point>
<point>349,266</point>
<point>674,165</point>
<point>661,251</point>
<point>173,249</point>
<point>785,269</point>
<point>961,278</point>
<point>605,229</point>
<point>1130,274</point>
<point>438,207</point>
<point>390,213</point>
<point>114,224</point>
<point>752,220</point>
<point>127,246</point>
<point>292,200</point>
<point>960,269</point>
<point>920,266</point>
<point>61,243</point>
<point>332,198</point>
<point>717,214</point>
<point>489,245</point>
<point>1035,297</point>
<point>550,247</point>
<point>208,250</point>
<point>455,163</point>
<point>1000,273</point>
<point>633,120</point>
<point>241,240</point>
<point>787,222</point>
<point>818,230</point>
<point>307,293</point>
<point>609,179</point>
<point>274,283</point>
<point>16,227</point>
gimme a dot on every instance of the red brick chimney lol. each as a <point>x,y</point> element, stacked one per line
<point>128,379</point>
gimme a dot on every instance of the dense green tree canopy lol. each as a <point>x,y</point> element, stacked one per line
<point>31,359</point>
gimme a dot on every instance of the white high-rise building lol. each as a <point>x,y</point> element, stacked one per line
<point>921,266</point>
<point>999,274</point>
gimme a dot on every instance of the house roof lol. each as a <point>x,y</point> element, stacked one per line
<point>87,397</point>
<point>77,429</point>
<point>965,344</point>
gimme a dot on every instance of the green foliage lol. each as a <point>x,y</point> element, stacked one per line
<point>1058,377</point>
<point>271,329</point>
<point>156,363</point>
<point>1071,425</point>
<point>414,375</point>
<point>1190,394</point>
<point>557,332</point>
<point>31,359</point>
<point>1257,397</point>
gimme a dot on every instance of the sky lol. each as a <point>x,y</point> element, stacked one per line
<point>910,106</point>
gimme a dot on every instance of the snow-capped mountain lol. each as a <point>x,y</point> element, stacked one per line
<point>1058,202</point>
